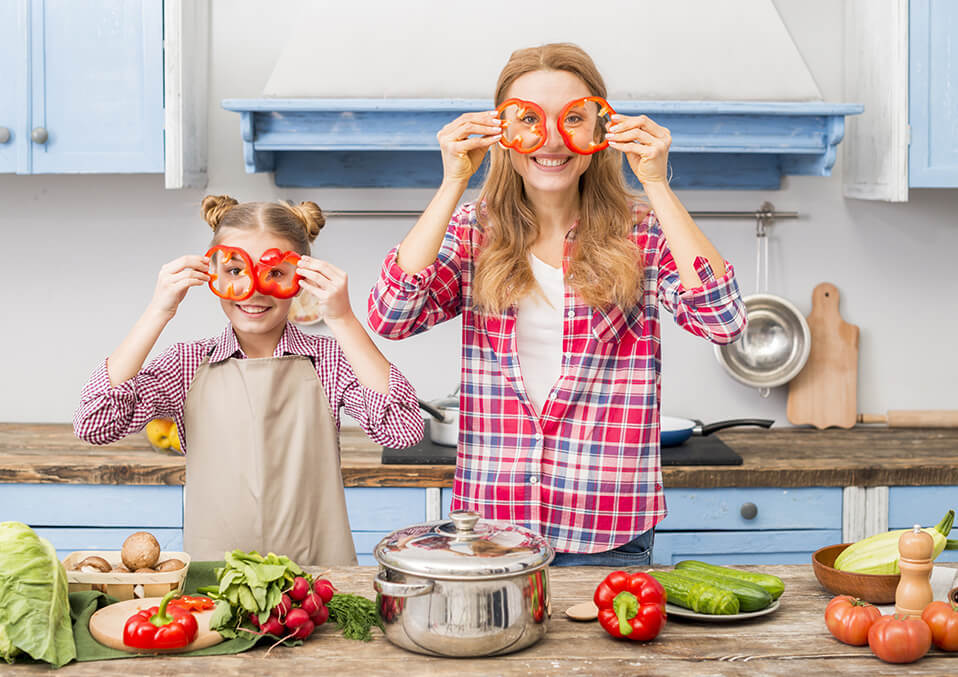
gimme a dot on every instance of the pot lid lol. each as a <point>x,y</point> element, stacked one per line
<point>464,547</point>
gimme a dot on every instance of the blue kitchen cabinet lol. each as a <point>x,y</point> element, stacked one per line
<point>95,516</point>
<point>908,506</point>
<point>85,86</point>
<point>13,85</point>
<point>718,525</point>
<point>933,93</point>
<point>100,517</point>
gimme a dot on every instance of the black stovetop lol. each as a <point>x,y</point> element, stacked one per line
<point>697,450</point>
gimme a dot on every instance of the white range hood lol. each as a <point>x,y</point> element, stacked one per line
<point>362,88</point>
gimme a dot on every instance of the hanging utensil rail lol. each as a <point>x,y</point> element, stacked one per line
<point>766,213</point>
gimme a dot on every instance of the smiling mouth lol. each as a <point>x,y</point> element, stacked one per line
<point>551,162</point>
<point>252,310</point>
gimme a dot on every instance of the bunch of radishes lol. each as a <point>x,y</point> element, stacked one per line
<point>300,610</point>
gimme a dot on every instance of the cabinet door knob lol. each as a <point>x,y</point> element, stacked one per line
<point>4,134</point>
<point>39,135</point>
<point>749,511</point>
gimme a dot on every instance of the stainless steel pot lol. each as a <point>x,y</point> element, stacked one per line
<point>444,426</point>
<point>464,586</point>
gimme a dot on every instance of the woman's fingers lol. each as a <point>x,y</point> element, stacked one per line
<point>645,150</point>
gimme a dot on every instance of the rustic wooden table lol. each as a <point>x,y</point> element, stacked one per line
<point>791,641</point>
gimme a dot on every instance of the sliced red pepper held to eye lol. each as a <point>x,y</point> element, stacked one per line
<point>580,137</point>
<point>276,273</point>
<point>523,128</point>
<point>231,273</point>
<point>162,627</point>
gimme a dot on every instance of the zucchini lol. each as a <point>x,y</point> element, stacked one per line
<point>771,584</point>
<point>878,554</point>
<point>696,595</point>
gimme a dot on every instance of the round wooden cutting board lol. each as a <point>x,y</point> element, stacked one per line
<point>106,626</point>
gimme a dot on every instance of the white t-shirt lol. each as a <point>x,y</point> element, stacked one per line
<point>539,332</point>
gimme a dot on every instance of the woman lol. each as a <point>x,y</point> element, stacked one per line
<point>558,273</point>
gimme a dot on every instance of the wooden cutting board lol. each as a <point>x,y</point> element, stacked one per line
<point>824,394</point>
<point>106,626</point>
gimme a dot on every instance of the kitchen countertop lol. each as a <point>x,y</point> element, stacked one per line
<point>790,641</point>
<point>780,457</point>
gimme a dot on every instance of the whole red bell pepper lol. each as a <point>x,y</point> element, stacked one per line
<point>162,627</point>
<point>631,605</point>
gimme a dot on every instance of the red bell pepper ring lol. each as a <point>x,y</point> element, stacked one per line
<point>516,137</point>
<point>631,606</point>
<point>162,627</point>
<point>233,283</point>
<point>568,135</point>
<point>276,273</point>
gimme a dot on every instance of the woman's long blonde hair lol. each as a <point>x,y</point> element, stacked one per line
<point>604,262</point>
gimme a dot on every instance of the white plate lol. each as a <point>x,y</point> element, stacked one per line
<point>682,612</point>
<point>305,309</point>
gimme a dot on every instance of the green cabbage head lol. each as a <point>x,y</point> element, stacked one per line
<point>34,602</point>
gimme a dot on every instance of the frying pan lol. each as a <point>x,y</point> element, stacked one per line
<point>676,430</point>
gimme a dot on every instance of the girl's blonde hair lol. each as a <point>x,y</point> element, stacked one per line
<point>603,266</point>
<point>300,224</point>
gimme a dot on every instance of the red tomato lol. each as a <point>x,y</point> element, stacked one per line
<point>897,639</point>
<point>942,618</point>
<point>848,619</point>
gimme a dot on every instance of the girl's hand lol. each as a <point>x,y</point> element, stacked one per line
<point>175,279</point>
<point>461,153</point>
<point>645,144</point>
<point>328,284</point>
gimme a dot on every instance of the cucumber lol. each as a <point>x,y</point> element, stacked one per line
<point>696,595</point>
<point>751,597</point>
<point>772,584</point>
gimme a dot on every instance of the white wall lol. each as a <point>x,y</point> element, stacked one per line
<point>80,255</point>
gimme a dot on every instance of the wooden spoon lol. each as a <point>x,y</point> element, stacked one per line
<point>584,611</point>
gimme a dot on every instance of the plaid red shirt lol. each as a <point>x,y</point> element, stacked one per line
<point>586,473</point>
<point>108,413</point>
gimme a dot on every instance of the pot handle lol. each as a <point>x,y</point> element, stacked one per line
<point>393,589</point>
<point>719,425</point>
<point>432,411</point>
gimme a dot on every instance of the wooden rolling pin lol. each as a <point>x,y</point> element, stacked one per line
<point>903,418</point>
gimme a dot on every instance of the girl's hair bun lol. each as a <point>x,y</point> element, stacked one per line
<point>215,208</point>
<point>311,217</point>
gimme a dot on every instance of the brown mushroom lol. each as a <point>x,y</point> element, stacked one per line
<point>120,569</point>
<point>93,564</point>
<point>170,565</point>
<point>145,570</point>
<point>140,550</point>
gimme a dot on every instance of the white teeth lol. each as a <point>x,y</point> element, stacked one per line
<point>550,163</point>
<point>253,310</point>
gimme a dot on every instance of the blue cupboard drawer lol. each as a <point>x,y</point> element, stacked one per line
<point>100,505</point>
<point>926,506</point>
<point>384,508</point>
<point>66,540</point>
<point>797,508</point>
<point>742,547</point>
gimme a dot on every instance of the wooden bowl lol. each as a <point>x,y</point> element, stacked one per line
<point>874,588</point>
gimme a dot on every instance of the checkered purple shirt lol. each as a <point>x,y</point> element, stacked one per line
<point>108,413</point>
<point>586,473</point>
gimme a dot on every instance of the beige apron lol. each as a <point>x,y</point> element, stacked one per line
<point>262,466</point>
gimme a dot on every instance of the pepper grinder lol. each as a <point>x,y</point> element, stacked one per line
<point>914,593</point>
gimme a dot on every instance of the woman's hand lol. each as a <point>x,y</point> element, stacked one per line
<point>461,153</point>
<point>645,144</point>
<point>328,284</point>
<point>175,279</point>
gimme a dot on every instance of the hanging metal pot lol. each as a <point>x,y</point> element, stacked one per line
<point>774,347</point>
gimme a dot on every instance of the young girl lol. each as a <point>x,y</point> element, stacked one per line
<point>558,273</point>
<point>257,407</point>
